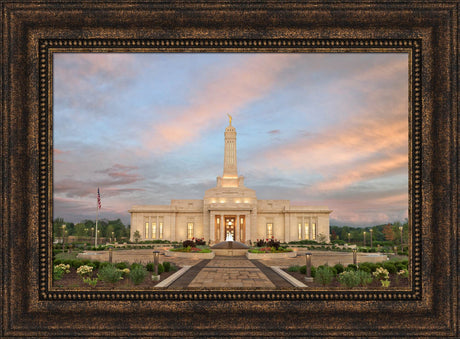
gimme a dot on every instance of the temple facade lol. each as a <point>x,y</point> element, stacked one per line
<point>230,210</point>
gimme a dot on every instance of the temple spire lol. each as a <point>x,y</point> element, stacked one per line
<point>230,165</point>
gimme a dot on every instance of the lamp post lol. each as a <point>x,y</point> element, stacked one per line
<point>354,256</point>
<point>349,234</point>
<point>156,258</point>
<point>371,230</point>
<point>401,232</point>
<point>308,266</point>
<point>112,236</point>
<point>98,234</point>
<point>92,233</point>
<point>63,237</point>
<point>364,240</point>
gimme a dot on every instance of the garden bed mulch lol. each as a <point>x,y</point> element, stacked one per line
<point>73,281</point>
<point>395,283</point>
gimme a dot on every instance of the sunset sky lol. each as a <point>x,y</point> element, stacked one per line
<point>317,129</point>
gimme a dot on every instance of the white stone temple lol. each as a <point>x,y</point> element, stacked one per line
<point>230,211</point>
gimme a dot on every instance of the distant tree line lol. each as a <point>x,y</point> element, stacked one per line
<point>87,228</point>
<point>385,233</point>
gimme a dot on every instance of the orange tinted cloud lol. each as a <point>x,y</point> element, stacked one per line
<point>210,101</point>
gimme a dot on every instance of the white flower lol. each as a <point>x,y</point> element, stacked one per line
<point>85,269</point>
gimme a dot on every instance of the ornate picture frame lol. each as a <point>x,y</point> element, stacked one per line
<point>33,31</point>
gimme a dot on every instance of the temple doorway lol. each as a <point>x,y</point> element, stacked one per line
<point>230,227</point>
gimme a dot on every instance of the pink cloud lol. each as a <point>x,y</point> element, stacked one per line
<point>224,92</point>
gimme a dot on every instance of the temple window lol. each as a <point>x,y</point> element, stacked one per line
<point>269,230</point>
<point>154,230</point>
<point>190,230</point>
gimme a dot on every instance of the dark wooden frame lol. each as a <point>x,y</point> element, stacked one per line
<point>32,29</point>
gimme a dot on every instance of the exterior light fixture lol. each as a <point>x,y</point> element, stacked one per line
<point>308,266</point>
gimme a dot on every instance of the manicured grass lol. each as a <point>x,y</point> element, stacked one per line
<point>67,256</point>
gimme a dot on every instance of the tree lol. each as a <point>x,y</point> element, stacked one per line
<point>80,230</point>
<point>333,235</point>
<point>388,232</point>
<point>136,236</point>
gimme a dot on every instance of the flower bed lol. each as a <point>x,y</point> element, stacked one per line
<point>368,276</point>
<point>270,249</point>
<point>103,276</point>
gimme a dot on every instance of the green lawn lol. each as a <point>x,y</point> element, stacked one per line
<point>67,256</point>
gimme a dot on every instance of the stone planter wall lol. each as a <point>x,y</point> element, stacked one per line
<point>271,255</point>
<point>190,255</point>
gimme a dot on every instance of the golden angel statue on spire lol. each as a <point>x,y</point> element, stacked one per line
<point>230,118</point>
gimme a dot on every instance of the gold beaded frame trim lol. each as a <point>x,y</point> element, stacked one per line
<point>49,46</point>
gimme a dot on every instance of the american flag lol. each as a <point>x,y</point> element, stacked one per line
<point>98,199</point>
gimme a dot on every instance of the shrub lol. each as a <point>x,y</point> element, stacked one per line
<point>273,243</point>
<point>313,271</point>
<point>324,275</point>
<point>303,269</point>
<point>84,270</point>
<point>381,273</point>
<point>121,265</point>
<point>295,268</point>
<point>339,268</point>
<point>150,267</point>
<point>364,277</point>
<point>349,278</point>
<point>403,273</point>
<point>351,267</point>
<point>167,266</point>
<point>96,263</point>
<point>109,273</point>
<point>76,263</point>
<point>367,267</point>
<point>138,274</point>
<point>89,281</point>
<point>390,267</point>
<point>260,243</point>
<point>188,243</point>
<point>57,261</point>
<point>134,265</point>
<point>200,242</point>
<point>60,270</point>
<point>124,271</point>
<point>161,268</point>
<point>104,264</point>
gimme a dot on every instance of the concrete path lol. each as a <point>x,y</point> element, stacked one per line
<point>230,272</point>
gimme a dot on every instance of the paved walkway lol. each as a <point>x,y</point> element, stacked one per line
<point>230,272</point>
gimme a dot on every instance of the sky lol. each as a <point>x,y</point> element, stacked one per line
<point>317,129</point>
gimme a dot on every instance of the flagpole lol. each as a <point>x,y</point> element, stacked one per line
<point>97,217</point>
<point>98,206</point>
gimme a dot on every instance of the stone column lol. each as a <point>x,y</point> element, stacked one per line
<point>237,228</point>
<point>286,226</point>
<point>173,226</point>
<point>222,235</point>
<point>248,225</point>
<point>310,228</point>
<point>211,227</point>
<point>157,230</point>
